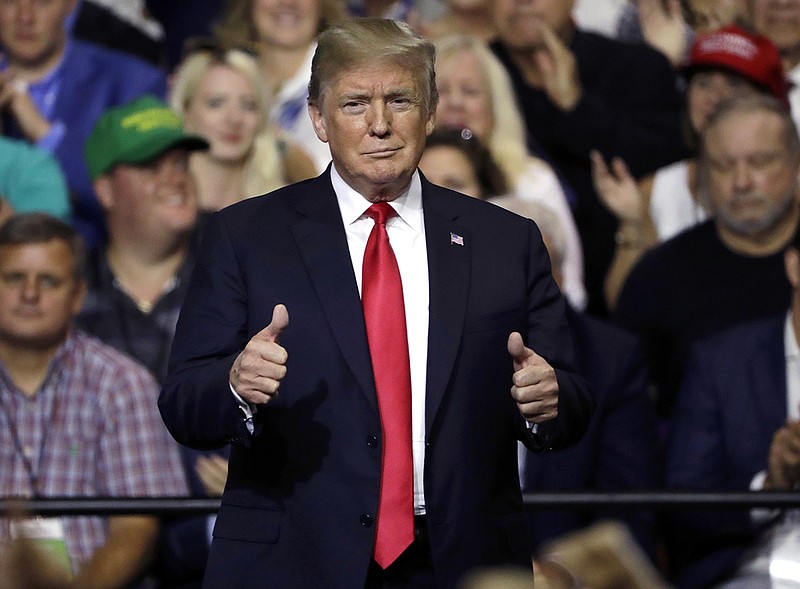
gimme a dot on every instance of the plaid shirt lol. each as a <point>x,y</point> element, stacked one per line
<point>92,429</point>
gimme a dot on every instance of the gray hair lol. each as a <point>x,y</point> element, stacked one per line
<point>751,103</point>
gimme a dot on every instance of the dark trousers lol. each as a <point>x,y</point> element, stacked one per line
<point>412,570</point>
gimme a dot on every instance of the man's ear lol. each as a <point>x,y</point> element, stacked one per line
<point>104,191</point>
<point>429,126</point>
<point>318,121</point>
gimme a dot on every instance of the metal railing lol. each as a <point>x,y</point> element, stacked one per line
<point>175,506</point>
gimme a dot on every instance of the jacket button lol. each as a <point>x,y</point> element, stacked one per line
<point>372,441</point>
<point>366,520</point>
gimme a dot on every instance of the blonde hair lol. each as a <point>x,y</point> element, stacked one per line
<point>264,170</point>
<point>236,27</point>
<point>507,139</point>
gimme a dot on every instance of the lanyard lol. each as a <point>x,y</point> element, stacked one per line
<point>46,417</point>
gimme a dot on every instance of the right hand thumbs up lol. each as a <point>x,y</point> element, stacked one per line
<point>280,319</point>
<point>257,372</point>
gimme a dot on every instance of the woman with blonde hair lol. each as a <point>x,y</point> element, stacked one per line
<point>475,93</point>
<point>220,96</point>
<point>283,35</point>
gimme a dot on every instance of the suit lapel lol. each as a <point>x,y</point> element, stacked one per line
<point>449,275</point>
<point>320,237</point>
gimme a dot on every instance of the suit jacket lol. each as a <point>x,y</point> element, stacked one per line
<point>619,451</point>
<point>93,79</point>
<point>732,402</point>
<point>298,509</point>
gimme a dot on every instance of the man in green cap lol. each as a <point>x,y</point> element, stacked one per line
<point>137,156</point>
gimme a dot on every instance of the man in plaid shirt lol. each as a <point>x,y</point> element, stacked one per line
<point>77,418</point>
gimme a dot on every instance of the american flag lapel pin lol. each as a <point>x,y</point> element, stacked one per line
<point>456,239</point>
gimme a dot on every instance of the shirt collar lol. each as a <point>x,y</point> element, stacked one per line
<point>353,205</point>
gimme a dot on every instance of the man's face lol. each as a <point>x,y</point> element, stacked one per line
<point>752,179</point>
<point>518,21</point>
<point>779,20</point>
<point>375,121</point>
<point>32,31</point>
<point>155,197</point>
<point>39,294</point>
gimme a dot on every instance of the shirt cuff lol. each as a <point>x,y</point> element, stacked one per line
<point>247,409</point>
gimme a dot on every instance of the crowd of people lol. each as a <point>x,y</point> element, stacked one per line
<point>655,145</point>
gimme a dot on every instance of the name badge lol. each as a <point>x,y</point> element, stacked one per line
<point>47,535</point>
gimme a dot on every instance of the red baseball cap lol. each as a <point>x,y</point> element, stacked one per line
<point>741,52</point>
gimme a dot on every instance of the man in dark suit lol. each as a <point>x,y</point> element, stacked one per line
<point>304,401</point>
<point>737,427</point>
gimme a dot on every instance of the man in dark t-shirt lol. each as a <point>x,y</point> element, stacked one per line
<point>730,269</point>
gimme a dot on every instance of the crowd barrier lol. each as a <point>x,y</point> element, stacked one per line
<point>171,506</point>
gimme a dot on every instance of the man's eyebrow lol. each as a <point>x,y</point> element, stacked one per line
<point>353,95</point>
<point>363,95</point>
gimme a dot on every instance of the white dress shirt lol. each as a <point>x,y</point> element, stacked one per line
<point>407,237</point>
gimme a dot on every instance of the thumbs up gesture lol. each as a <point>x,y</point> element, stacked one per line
<point>535,388</point>
<point>257,372</point>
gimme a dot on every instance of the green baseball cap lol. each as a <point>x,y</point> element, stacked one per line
<point>135,133</point>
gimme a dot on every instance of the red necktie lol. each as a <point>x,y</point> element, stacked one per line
<point>384,313</point>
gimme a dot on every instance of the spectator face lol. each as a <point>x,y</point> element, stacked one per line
<point>779,20</point>
<point>288,24</point>
<point>751,177</point>
<point>464,95</point>
<point>518,21</point>
<point>449,167</point>
<point>158,196</point>
<point>709,15</point>
<point>39,294</point>
<point>375,121</point>
<point>707,89</point>
<point>225,110</point>
<point>32,33</point>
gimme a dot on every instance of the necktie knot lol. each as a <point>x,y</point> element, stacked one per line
<point>380,212</point>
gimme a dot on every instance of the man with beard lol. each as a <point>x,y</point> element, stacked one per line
<point>729,269</point>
